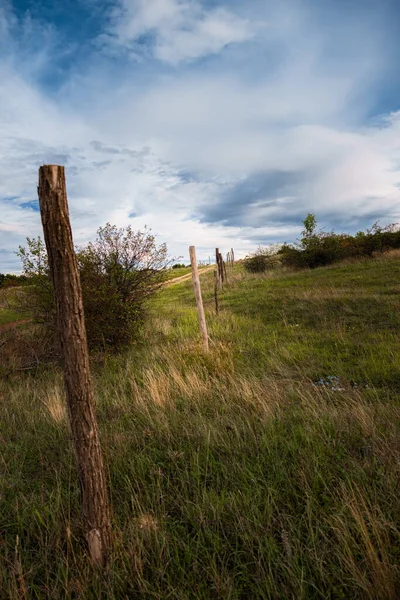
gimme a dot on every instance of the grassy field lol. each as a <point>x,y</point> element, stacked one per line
<point>268,468</point>
<point>174,273</point>
<point>8,312</point>
<point>8,316</point>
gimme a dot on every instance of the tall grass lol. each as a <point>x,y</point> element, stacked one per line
<point>242,473</point>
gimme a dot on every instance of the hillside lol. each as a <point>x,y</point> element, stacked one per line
<point>268,468</point>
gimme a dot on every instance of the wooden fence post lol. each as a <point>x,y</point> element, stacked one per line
<point>71,326</point>
<point>216,291</point>
<point>199,299</point>
<point>218,267</point>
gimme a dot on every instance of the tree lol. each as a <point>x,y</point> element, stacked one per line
<point>310,225</point>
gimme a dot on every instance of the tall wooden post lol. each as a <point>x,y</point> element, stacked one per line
<point>71,326</point>
<point>199,299</point>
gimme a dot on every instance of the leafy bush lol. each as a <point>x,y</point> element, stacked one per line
<point>318,248</point>
<point>178,266</point>
<point>119,271</point>
<point>10,280</point>
<point>261,260</point>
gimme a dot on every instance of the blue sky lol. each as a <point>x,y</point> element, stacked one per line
<point>215,123</point>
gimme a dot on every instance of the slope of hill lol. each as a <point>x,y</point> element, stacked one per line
<point>267,468</point>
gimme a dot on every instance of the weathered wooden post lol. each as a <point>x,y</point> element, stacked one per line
<point>216,291</point>
<point>219,261</point>
<point>199,299</point>
<point>71,326</point>
<point>218,267</point>
<point>224,269</point>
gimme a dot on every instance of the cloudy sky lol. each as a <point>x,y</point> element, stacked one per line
<point>216,123</point>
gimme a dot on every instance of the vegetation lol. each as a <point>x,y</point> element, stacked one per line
<point>318,248</point>
<point>119,271</point>
<point>9,280</point>
<point>174,273</point>
<point>262,260</point>
<point>267,468</point>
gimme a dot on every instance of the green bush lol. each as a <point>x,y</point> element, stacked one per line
<point>10,280</point>
<point>262,260</point>
<point>119,271</point>
<point>318,248</point>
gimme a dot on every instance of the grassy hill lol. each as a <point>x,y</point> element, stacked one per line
<point>268,468</point>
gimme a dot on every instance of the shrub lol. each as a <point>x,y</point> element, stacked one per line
<point>261,260</point>
<point>10,280</point>
<point>119,271</point>
<point>318,248</point>
<point>178,266</point>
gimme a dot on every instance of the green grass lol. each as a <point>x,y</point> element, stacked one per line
<point>232,474</point>
<point>8,316</point>
<point>174,273</point>
<point>8,312</point>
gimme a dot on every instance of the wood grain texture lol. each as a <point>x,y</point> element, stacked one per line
<point>70,319</point>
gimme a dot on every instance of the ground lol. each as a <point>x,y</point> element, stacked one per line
<point>267,468</point>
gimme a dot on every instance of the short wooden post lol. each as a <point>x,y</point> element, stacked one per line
<point>71,326</point>
<point>222,268</point>
<point>216,291</point>
<point>199,299</point>
<point>218,267</point>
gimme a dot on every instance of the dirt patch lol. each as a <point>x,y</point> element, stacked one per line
<point>187,276</point>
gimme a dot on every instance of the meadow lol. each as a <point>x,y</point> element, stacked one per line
<point>266,468</point>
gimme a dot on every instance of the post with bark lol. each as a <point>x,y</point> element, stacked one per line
<point>224,270</point>
<point>217,255</point>
<point>216,292</point>
<point>199,299</point>
<point>221,266</point>
<point>71,327</point>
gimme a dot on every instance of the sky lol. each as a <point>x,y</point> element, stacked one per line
<point>214,123</point>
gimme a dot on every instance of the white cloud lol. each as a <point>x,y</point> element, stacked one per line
<point>181,29</point>
<point>170,150</point>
